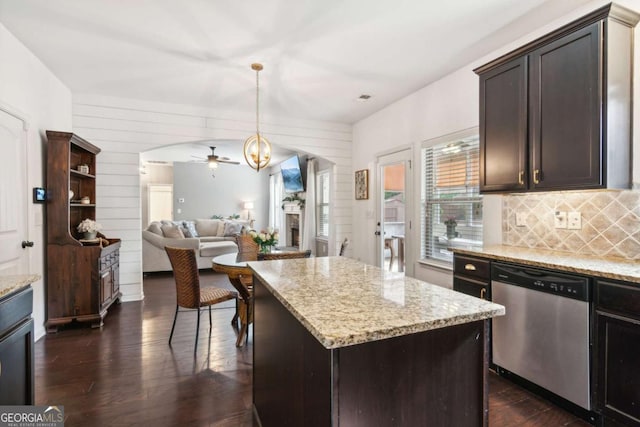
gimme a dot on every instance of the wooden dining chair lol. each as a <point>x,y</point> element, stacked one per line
<point>247,248</point>
<point>343,246</point>
<point>284,255</point>
<point>189,294</point>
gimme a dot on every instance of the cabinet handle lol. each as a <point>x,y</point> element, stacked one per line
<point>483,293</point>
<point>470,267</point>
<point>0,368</point>
<point>536,176</point>
<point>105,274</point>
<point>521,178</point>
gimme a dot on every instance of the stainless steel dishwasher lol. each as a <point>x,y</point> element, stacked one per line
<point>544,336</point>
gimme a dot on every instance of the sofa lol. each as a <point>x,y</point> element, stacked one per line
<point>209,237</point>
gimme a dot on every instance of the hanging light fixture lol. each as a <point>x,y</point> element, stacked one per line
<point>257,149</point>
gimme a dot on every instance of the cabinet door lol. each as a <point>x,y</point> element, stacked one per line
<point>106,284</point>
<point>503,127</point>
<point>618,368</point>
<point>16,366</point>
<point>115,279</point>
<point>565,99</point>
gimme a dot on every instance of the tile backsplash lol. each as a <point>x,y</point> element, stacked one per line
<point>610,222</point>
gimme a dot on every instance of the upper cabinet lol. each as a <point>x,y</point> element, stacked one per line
<point>556,113</point>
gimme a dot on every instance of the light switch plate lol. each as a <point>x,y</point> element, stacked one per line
<point>521,219</point>
<point>574,221</point>
<point>560,219</point>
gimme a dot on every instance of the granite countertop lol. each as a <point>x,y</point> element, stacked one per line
<point>9,284</point>
<point>344,302</point>
<point>610,268</point>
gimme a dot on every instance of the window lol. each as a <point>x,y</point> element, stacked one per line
<point>322,186</point>
<point>451,201</point>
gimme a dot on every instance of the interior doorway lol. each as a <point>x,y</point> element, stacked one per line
<point>160,202</point>
<point>394,207</point>
<point>14,259</point>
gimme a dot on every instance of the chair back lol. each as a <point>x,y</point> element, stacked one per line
<point>185,272</point>
<point>286,255</point>
<point>343,246</point>
<point>247,248</point>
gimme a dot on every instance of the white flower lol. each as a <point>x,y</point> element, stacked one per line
<point>270,230</point>
<point>89,225</point>
<point>276,236</point>
<point>262,236</point>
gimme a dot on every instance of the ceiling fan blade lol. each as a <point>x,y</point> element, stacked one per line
<point>231,162</point>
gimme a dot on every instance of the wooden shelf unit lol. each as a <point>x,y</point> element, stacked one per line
<point>82,280</point>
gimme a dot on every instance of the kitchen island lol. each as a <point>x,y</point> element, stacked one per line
<point>341,343</point>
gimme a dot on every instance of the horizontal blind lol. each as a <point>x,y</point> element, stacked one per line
<point>322,213</point>
<point>452,205</point>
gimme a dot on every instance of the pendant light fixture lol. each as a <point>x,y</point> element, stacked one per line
<point>257,149</point>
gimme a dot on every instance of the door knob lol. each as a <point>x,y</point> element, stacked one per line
<point>377,233</point>
<point>27,244</point>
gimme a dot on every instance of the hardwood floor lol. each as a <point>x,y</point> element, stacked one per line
<point>125,374</point>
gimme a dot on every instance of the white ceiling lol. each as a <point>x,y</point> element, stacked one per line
<point>319,55</point>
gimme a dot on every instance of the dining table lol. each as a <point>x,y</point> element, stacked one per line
<point>240,277</point>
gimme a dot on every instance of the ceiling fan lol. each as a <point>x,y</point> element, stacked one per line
<point>213,159</point>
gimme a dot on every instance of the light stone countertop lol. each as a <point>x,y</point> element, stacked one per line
<point>606,267</point>
<point>9,284</point>
<point>344,302</point>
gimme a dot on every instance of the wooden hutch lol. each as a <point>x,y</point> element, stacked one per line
<point>82,276</point>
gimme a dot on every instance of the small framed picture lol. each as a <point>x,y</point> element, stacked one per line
<point>362,184</point>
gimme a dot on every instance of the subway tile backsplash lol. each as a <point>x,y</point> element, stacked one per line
<point>610,222</point>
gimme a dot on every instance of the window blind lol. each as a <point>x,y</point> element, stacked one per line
<point>451,201</point>
<point>323,205</point>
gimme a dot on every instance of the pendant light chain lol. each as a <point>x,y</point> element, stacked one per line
<point>258,102</point>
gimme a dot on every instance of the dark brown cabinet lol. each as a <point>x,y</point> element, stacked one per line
<point>16,348</point>
<point>472,276</point>
<point>82,276</point>
<point>556,113</point>
<point>617,345</point>
<point>503,127</point>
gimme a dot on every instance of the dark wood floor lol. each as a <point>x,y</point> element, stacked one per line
<point>125,374</point>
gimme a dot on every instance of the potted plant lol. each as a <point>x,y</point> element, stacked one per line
<point>266,239</point>
<point>294,198</point>
<point>89,228</point>
<point>451,223</point>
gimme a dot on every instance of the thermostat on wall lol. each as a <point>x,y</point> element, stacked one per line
<point>39,195</point>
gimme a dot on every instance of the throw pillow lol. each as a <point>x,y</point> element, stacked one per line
<point>232,228</point>
<point>206,227</point>
<point>154,227</point>
<point>185,231</point>
<point>221,227</point>
<point>191,226</point>
<point>172,231</point>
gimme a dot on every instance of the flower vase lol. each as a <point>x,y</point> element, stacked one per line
<point>90,235</point>
<point>451,231</point>
<point>265,249</point>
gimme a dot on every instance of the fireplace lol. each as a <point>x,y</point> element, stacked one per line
<point>294,226</point>
<point>292,230</point>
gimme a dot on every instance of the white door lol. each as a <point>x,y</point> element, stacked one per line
<point>13,196</point>
<point>394,198</point>
<point>160,202</point>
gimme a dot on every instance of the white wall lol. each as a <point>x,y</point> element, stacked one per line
<point>30,90</point>
<point>444,107</point>
<point>123,128</point>
<point>224,195</point>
